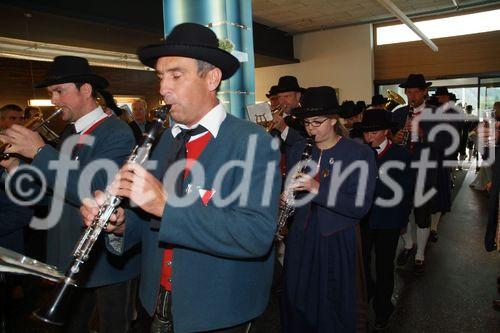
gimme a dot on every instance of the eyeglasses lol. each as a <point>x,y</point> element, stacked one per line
<point>314,123</point>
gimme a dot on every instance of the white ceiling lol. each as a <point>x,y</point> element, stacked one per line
<point>298,16</point>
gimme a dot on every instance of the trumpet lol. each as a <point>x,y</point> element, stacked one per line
<point>44,130</point>
<point>269,124</point>
<point>33,124</point>
<point>55,312</point>
<point>279,110</point>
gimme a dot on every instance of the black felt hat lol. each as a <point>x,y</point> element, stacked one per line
<point>317,101</point>
<point>110,102</point>
<point>272,92</point>
<point>65,69</point>
<point>442,91</point>
<point>349,109</point>
<point>453,97</point>
<point>191,40</point>
<point>376,120</point>
<point>361,104</point>
<point>415,81</point>
<point>378,99</point>
<point>288,83</point>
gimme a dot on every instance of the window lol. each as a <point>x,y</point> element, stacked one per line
<point>443,27</point>
<point>489,92</point>
<point>481,93</point>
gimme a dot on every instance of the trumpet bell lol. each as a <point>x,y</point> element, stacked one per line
<point>269,124</point>
<point>279,110</point>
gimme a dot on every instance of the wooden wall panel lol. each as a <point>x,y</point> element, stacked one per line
<point>462,55</point>
<point>17,77</point>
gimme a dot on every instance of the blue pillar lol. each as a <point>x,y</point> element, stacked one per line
<point>231,20</point>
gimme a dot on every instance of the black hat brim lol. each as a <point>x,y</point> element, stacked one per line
<point>406,85</point>
<point>350,114</point>
<point>302,112</point>
<point>376,127</point>
<point>287,89</point>
<point>96,81</point>
<point>381,102</point>
<point>221,59</point>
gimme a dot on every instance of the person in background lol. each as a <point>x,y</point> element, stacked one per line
<point>286,126</point>
<point>289,130</point>
<point>324,288</point>
<point>416,90</point>
<point>446,175</point>
<point>11,114</point>
<point>104,281</point>
<point>13,217</point>
<point>352,115</point>
<point>109,105</point>
<point>381,228</point>
<point>471,125</point>
<point>139,124</point>
<point>491,138</point>
<point>442,95</point>
<point>378,102</point>
<point>13,221</point>
<point>32,112</point>
<point>361,105</point>
<point>273,98</point>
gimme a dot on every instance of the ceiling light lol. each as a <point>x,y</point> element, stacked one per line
<point>39,51</point>
<point>40,102</point>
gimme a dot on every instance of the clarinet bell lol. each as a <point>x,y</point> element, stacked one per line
<point>55,311</point>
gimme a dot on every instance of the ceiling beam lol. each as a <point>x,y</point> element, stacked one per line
<point>390,6</point>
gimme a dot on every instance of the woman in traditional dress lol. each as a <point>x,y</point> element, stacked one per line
<point>323,277</point>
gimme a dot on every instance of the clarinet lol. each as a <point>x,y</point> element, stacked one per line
<point>287,208</point>
<point>407,134</point>
<point>55,313</point>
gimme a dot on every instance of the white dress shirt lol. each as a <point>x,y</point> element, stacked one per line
<point>211,121</point>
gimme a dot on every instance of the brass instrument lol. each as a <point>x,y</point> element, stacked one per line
<point>34,124</point>
<point>55,312</point>
<point>269,124</point>
<point>44,130</point>
<point>394,99</point>
<point>287,208</point>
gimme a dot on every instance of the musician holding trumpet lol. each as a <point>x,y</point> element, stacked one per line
<point>105,282</point>
<point>289,94</point>
<point>13,219</point>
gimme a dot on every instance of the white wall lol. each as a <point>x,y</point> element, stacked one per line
<point>341,58</point>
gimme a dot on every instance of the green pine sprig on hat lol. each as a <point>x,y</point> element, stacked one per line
<point>226,45</point>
